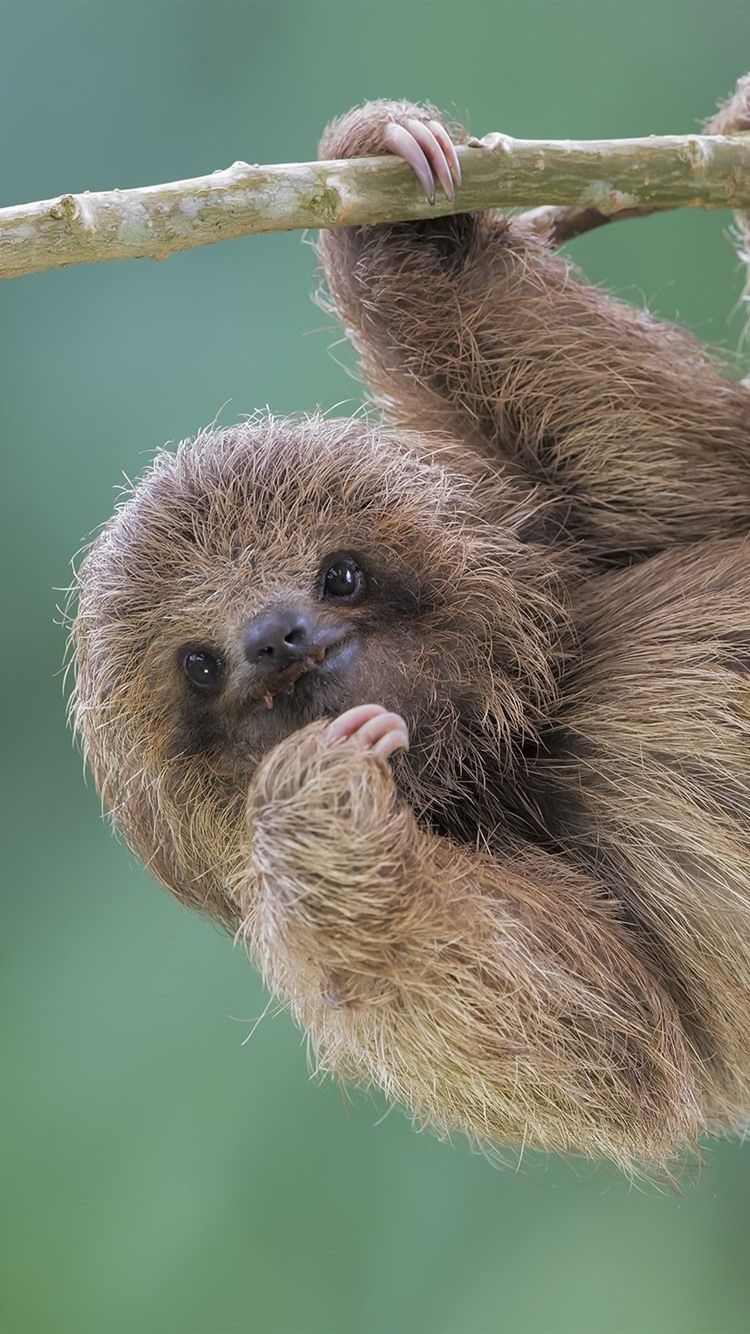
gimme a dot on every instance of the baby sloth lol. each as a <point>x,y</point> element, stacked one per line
<point>450,721</point>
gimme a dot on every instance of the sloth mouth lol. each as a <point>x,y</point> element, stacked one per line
<point>319,660</point>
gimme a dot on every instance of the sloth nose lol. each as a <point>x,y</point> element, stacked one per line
<point>277,639</point>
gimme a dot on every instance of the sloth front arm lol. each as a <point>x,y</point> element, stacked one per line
<point>470,326</point>
<point>497,995</point>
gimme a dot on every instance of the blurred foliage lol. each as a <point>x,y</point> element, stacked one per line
<point>159,1175</point>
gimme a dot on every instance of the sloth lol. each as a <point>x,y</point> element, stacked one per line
<point>446,716</point>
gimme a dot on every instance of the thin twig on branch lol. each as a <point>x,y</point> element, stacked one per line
<point>596,181</point>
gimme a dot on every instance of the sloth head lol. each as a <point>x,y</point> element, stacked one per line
<point>284,570</point>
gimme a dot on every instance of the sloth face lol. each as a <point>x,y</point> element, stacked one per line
<point>311,643</point>
<point>293,642</point>
<point>284,571</point>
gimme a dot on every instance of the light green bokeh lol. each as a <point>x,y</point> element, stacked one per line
<point>158,1175</point>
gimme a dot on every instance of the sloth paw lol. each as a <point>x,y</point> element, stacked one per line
<point>371,727</point>
<point>428,149</point>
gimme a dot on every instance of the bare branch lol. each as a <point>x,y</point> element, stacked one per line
<point>559,223</point>
<point>596,181</point>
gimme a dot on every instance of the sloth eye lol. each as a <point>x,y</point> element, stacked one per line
<point>203,668</point>
<point>343,580</point>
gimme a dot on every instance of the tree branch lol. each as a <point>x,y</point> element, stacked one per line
<point>559,223</point>
<point>596,181</point>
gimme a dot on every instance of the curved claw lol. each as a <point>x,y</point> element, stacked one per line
<point>404,145</point>
<point>434,153</point>
<point>428,149</point>
<point>448,147</point>
<point>372,728</point>
<point>383,735</point>
<point>346,724</point>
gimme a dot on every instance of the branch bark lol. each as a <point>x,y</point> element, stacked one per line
<point>595,181</point>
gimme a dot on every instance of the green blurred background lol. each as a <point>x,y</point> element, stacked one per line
<point>157,1174</point>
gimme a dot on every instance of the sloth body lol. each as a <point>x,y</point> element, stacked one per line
<point>534,925</point>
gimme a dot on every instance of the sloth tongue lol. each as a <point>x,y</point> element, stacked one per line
<point>285,681</point>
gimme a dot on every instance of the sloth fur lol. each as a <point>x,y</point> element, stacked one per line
<point>533,927</point>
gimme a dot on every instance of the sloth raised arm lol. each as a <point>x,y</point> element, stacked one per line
<point>497,996</point>
<point>469,325</point>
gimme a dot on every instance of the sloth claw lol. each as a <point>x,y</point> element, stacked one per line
<point>428,149</point>
<point>448,147</point>
<point>434,154</point>
<point>405,146</point>
<point>372,728</point>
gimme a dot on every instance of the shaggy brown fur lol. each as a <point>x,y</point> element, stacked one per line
<point>535,925</point>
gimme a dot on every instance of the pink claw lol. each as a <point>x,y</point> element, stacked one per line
<point>405,146</point>
<point>448,147</point>
<point>373,728</point>
<point>429,150</point>
<point>384,734</point>
<point>349,722</point>
<point>434,153</point>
